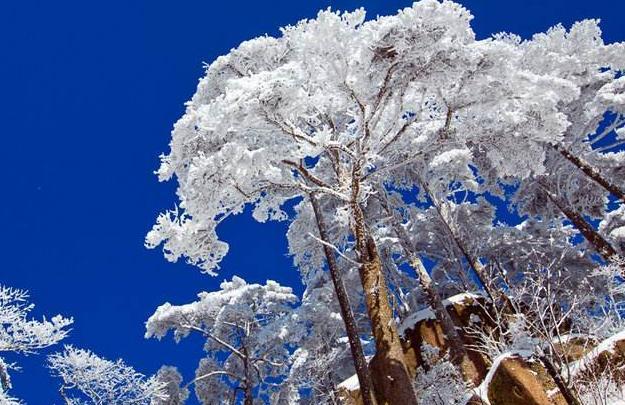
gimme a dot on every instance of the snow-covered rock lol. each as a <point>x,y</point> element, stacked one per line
<point>513,380</point>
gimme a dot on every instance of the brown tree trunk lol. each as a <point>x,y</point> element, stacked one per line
<point>247,391</point>
<point>392,380</point>
<point>249,398</point>
<point>457,353</point>
<point>601,245</point>
<point>360,362</point>
<point>568,395</point>
<point>592,173</point>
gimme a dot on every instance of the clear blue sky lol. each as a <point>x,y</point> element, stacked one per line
<point>89,93</point>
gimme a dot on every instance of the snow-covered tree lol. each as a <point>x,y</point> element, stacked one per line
<point>175,392</point>
<point>21,334</point>
<point>90,379</point>
<point>571,174</point>
<point>344,113</point>
<point>332,107</point>
<point>246,338</point>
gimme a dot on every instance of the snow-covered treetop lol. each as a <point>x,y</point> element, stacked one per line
<point>101,381</point>
<point>176,392</point>
<point>338,97</point>
<point>20,334</point>
<point>342,90</point>
<point>236,303</point>
<point>246,327</point>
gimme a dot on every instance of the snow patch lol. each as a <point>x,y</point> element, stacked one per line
<point>351,384</point>
<point>482,390</point>
<point>415,318</point>
<point>427,313</point>
<point>606,346</point>
<point>618,233</point>
<point>450,156</point>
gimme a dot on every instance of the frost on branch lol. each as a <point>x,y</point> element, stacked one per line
<point>175,392</point>
<point>452,128</point>
<point>19,334</point>
<point>245,327</point>
<point>88,377</point>
<point>172,228</point>
<point>440,383</point>
<point>22,335</point>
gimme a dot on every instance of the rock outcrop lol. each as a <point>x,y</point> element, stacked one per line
<point>511,379</point>
<point>421,329</point>
<point>608,355</point>
<point>516,380</point>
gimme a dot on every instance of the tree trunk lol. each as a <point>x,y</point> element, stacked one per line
<point>475,265</point>
<point>592,173</point>
<point>360,362</point>
<point>601,245</point>
<point>473,262</point>
<point>249,398</point>
<point>457,353</point>
<point>392,380</point>
<point>247,392</point>
<point>568,395</point>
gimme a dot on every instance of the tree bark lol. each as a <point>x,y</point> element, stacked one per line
<point>568,395</point>
<point>458,355</point>
<point>247,392</point>
<point>591,172</point>
<point>249,397</point>
<point>392,380</point>
<point>360,362</point>
<point>601,245</point>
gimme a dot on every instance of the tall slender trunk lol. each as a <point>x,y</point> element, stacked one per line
<point>392,380</point>
<point>601,245</point>
<point>591,172</point>
<point>567,393</point>
<point>249,397</point>
<point>358,357</point>
<point>247,392</point>
<point>458,355</point>
<point>476,266</point>
<point>473,262</point>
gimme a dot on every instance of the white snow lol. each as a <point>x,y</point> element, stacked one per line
<point>482,390</point>
<point>618,233</point>
<point>570,336</point>
<point>450,156</point>
<point>605,346</point>
<point>415,318</point>
<point>351,384</point>
<point>458,298</point>
<point>427,313</point>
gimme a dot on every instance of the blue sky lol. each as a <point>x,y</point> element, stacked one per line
<point>89,93</point>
